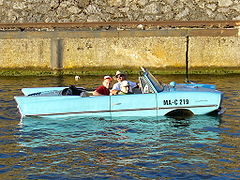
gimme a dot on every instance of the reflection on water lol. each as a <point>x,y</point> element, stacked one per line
<point>198,147</point>
<point>100,144</point>
<point>137,130</point>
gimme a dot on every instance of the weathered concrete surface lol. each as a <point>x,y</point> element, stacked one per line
<point>100,50</point>
<point>125,51</point>
<point>56,53</point>
<point>214,52</point>
<point>24,53</point>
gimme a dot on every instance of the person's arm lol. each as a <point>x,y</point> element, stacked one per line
<point>95,93</point>
<point>133,84</point>
<point>99,91</point>
<point>115,89</point>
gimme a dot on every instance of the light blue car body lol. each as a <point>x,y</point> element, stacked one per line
<point>155,99</point>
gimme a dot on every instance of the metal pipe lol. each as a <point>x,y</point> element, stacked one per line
<point>187,60</point>
<point>201,24</point>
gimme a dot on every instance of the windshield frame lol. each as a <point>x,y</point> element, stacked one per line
<point>155,84</point>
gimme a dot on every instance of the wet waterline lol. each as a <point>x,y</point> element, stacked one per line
<point>198,147</point>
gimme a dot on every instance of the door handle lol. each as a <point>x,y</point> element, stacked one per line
<point>116,104</point>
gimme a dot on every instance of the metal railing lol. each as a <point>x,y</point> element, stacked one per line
<point>133,24</point>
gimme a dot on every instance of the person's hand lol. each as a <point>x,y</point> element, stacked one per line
<point>114,92</point>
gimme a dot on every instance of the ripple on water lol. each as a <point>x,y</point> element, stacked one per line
<point>200,147</point>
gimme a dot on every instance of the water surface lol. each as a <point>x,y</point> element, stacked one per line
<point>198,147</point>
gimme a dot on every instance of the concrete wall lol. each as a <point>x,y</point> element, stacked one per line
<point>124,51</point>
<point>20,11</point>
<point>21,53</point>
<point>159,52</point>
<point>214,52</point>
<point>114,49</point>
<point>110,47</point>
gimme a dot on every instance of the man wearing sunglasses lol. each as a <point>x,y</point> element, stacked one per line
<point>117,86</point>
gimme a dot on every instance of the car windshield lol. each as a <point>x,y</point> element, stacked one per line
<point>154,83</point>
<point>157,85</point>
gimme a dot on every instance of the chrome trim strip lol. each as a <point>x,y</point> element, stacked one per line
<point>122,110</point>
<point>86,112</point>
<point>184,107</point>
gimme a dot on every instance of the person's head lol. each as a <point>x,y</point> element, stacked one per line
<point>120,76</point>
<point>107,81</point>
<point>125,86</point>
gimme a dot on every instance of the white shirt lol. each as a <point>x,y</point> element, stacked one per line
<point>117,86</point>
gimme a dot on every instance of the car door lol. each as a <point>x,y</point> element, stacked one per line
<point>133,105</point>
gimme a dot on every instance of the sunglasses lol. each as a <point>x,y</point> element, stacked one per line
<point>120,75</point>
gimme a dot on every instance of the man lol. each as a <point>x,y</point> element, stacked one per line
<point>125,88</point>
<point>117,86</point>
<point>104,89</point>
